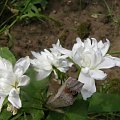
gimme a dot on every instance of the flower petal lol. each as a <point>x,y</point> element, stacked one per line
<point>5,64</point>
<point>18,71</point>
<point>64,51</point>
<point>63,65</point>
<point>1,102</point>
<point>87,93</point>
<point>77,46</point>
<point>116,60</point>
<point>87,43</point>
<point>5,86</point>
<point>79,41</point>
<point>21,66</point>
<point>36,54</point>
<point>98,74</point>
<point>42,74</point>
<point>107,62</point>
<point>5,74</point>
<point>14,98</point>
<point>89,85</point>
<point>104,47</point>
<point>24,80</point>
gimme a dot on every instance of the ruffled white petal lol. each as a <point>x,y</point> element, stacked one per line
<point>41,64</point>
<point>116,60</point>
<point>42,74</point>
<point>87,43</point>
<point>5,86</point>
<point>63,65</point>
<point>78,40</point>
<point>18,70</point>
<point>36,55</point>
<point>23,80</point>
<point>77,46</point>
<point>22,65</point>
<point>98,74</point>
<point>87,93</point>
<point>9,78</point>
<point>107,62</point>
<point>14,98</point>
<point>104,47</point>
<point>5,65</point>
<point>67,53</point>
<point>89,85</point>
<point>6,74</point>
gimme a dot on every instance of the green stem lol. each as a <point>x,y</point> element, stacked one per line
<point>34,108</point>
<point>26,6</point>
<point>4,7</point>
<point>7,20</point>
<point>116,52</point>
<point>109,10</point>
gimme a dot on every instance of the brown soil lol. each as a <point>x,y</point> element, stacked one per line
<point>89,18</point>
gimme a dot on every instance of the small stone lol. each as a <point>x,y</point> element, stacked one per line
<point>54,11</point>
<point>75,22</point>
<point>69,2</point>
<point>46,37</point>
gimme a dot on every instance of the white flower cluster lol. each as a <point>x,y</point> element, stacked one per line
<point>91,56</point>
<point>11,78</point>
<point>46,62</point>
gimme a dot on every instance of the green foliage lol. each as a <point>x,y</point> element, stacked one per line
<point>7,54</point>
<point>101,102</point>
<point>12,11</point>
<point>30,8</point>
<point>33,97</point>
<point>5,115</point>
<point>83,30</point>
<point>111,16</point>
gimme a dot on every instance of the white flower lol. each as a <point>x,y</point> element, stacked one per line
<point>45,62</point>
<point>11,78</point>
<point>91,57</point>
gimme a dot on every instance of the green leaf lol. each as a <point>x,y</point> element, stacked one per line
<point>37,114</point>
<point>16,116</point>
<point>5,115</point>
<point>34,85</point>
<point>7,54</point>
<point>55,116</point>
<point>104,103</point>
<point>33,96</point>
<point>78,111</point>
<point>115,52</point>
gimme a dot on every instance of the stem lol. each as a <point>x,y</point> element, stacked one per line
<point>4,7</point>
<point>34,108</point>
<point>26,6</point>
<point>109,10</point>
<point>7,20</point>
<point>13,22</point>
<point>116,52</point>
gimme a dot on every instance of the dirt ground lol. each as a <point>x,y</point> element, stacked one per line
<point>74,18</point>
